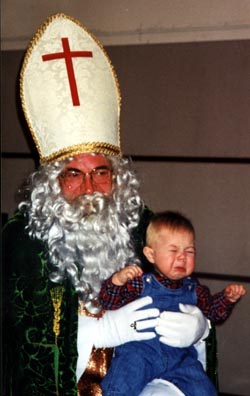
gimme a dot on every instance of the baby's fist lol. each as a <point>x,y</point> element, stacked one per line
<point>235,292</point>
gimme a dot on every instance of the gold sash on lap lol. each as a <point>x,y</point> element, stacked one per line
<point>99,361</point>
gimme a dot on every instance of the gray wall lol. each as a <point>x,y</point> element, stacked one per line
<point>186,123</point>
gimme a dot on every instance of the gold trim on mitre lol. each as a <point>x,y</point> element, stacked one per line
<point>58,127</point>
<point>98,148</point>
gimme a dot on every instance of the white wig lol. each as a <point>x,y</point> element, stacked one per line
<point>90,238</point>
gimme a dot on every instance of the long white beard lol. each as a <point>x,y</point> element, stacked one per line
<point>90,238</point>
<point>88,241</point>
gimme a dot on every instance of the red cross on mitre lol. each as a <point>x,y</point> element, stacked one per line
<point>67,55</point>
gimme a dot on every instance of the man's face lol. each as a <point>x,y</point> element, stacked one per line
<point>86,174</point>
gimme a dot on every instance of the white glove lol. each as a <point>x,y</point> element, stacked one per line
<point>161,387</point>
<point>114,328</point>
<point>182,329</point>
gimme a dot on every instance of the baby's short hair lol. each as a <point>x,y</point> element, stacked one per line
<point>172,220</point>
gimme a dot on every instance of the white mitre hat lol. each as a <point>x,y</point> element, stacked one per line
<point>70,92</point>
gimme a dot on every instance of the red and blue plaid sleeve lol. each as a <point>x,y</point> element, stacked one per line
<point>112,297</point>
<point>215,307</point>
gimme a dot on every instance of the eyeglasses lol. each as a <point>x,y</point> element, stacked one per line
<point>99,175</point>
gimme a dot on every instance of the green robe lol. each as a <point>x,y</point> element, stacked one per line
<point>40,338</point>
<point>36,362</point>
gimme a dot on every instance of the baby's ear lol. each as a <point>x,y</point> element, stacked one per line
<point>149,253</point>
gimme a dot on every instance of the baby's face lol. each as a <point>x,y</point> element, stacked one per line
<point>173,253</point>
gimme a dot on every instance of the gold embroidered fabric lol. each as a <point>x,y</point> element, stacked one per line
<point>56,296</point>
<point>99,361</point>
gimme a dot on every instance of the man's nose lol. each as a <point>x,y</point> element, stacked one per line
<point>89,189</point>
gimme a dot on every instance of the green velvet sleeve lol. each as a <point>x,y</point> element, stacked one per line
<point>211,353</point>
<point>35,361</point>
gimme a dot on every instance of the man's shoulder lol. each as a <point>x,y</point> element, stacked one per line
<point>139,236</point>
<point>15,235</point>
<point>21,253</point>
<point>16,224</point>
<point>145,218</point>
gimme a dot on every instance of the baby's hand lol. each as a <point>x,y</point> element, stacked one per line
<point>235,292</point>
<point>130,272</point>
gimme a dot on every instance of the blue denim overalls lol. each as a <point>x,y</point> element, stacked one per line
<point>135,364</point>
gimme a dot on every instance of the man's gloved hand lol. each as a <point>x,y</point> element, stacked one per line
<point>114,329</point>
<point>182,329</point>
<point>120,326</point>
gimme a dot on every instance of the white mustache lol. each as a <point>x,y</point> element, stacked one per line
<point>85,206</point>
<point>91,204</point>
